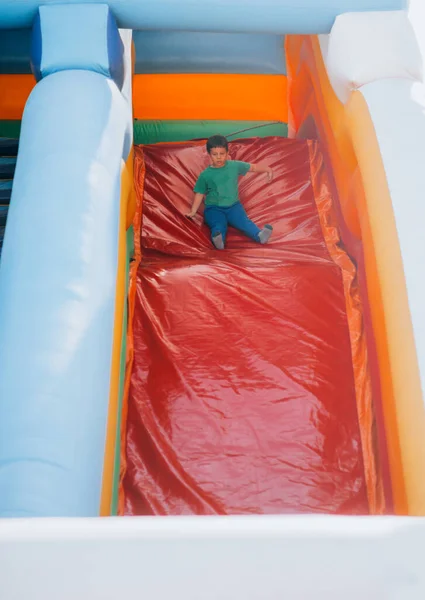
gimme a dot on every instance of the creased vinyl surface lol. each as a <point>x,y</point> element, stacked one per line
<point>242,395</point>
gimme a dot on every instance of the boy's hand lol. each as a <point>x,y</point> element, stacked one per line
<point>262,169</point>
<point>197,201</point>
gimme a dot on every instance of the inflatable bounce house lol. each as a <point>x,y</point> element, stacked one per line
<point>253,418</point>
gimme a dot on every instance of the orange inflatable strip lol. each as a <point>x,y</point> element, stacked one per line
<point>15,90</point>
<point>312,96</point>
<point>210,96</point>
<point>353,303</point>
<point>313,104</point>
<point>111,433</point>
<point>139,168</point>
<point>128,202</point>
<point>400,378</point>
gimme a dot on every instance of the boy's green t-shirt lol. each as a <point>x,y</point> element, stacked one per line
<point>220,185</point>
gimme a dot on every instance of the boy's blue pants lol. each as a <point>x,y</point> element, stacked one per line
<point>218,220</point>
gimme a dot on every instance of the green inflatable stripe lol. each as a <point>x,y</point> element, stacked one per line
<point>10,129</point>
<point>117,463</point>
<point>153,132</point>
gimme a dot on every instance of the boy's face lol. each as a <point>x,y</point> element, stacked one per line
<point>218,157</point>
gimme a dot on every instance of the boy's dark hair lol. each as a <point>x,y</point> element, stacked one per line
<point>217,141</point>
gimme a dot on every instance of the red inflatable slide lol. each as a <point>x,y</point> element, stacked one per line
<point>247,371</point>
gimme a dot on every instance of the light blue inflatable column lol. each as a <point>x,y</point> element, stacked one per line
<point>59,266</point>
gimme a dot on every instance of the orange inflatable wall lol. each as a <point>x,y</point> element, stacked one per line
<point>185,96</point>
<point>182,96</point>
<point>210,96</point>
<point>315,111</point>
<point>15,90</point>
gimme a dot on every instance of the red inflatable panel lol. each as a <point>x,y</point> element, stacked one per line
<point>242,396</point>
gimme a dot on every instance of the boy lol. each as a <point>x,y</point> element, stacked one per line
<point>219,184</point>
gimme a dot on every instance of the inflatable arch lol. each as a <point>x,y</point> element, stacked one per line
<point>142,372</point>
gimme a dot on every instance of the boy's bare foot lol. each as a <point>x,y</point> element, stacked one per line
<point>265,234</point>
<point>218,242</point>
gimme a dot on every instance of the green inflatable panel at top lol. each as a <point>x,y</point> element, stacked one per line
<point>10,129</point>
<point>154,132</point>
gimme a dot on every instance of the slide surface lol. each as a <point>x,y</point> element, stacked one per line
<point>243,395</point>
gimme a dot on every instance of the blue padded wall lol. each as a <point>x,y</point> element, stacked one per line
<point>67,37</point>
<point>174,52</point>
<point>194,52</point>
<point>271,16</point>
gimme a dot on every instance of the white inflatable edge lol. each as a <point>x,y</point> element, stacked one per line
<point>189,558</point>
<point>366,47</point>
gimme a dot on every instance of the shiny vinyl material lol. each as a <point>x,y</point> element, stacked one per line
<point>242,396</point>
